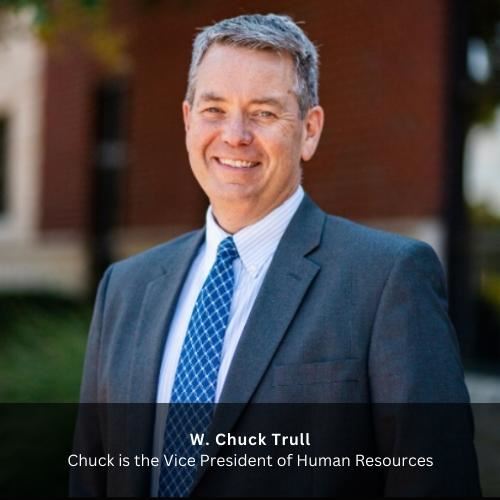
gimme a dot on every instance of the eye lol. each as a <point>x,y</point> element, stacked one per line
<point>265,114</point>
<point>213,110</point>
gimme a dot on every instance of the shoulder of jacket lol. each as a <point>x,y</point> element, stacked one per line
<point>147,263</point>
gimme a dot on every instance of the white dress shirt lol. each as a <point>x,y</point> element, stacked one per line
<point>256,245</point>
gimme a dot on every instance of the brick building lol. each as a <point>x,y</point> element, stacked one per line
<point>381,160</point>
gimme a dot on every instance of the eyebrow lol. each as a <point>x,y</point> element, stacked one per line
<point>271,101</point>
<point>210,96</point>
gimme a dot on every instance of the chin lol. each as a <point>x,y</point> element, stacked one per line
<point>233,192</point>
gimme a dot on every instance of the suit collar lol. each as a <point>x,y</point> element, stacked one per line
<point>257,242</point>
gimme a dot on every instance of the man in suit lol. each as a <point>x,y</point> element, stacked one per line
<point>274,301</point>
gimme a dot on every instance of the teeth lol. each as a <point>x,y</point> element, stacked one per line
<point>237,163</point>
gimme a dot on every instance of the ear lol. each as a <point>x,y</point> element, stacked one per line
<point>186,114</point>
<point>313,125</point>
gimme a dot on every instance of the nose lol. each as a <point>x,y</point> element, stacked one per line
<point>236,132</point>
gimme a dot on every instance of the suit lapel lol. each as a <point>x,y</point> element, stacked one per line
<point>288,279</point>
<point>156,313</point>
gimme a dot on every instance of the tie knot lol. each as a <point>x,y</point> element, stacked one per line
<point>227,250</point>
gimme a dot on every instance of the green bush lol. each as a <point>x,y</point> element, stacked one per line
<point>42,346</point>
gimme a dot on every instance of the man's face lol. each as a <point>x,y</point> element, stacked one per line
<point>244,134</point>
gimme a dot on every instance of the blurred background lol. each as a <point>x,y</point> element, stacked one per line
<point>93,166</point>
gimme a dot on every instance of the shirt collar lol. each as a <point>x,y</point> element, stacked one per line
<point>258,242</point>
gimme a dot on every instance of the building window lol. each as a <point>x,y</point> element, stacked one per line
<point>3,164</point>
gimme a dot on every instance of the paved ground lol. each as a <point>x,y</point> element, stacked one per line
<point>485,396</point>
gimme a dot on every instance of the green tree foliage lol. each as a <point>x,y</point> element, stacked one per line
<point>87,23</point>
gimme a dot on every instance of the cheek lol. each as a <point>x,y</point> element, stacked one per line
<point>284,149</point>
<point>285,140</point>
<point>199,137</point>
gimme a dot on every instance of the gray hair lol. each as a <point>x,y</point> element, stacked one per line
<point>263,32</point>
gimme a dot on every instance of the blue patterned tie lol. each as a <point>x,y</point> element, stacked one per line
<point>197,372</point>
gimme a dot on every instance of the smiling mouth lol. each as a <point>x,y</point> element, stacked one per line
<point>240,164</point>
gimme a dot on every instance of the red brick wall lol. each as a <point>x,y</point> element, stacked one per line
<point>68,118</point>
<point>383,69</point>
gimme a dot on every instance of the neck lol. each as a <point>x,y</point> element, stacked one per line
<point>233,217</point>
<point>231,221</point>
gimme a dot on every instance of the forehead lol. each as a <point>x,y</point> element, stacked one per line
<point>245,72</point>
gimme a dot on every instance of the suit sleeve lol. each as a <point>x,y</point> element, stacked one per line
<point>417,382</point>
<point>87,440</point>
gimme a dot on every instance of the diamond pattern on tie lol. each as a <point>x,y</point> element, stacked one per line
<point>195,384</point>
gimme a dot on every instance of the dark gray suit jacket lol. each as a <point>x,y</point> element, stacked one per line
<point>346,314</point>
